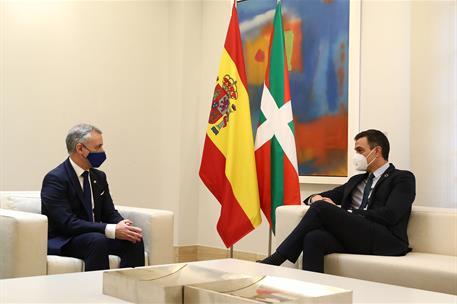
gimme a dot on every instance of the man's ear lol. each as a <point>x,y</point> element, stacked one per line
<point>79,147</point>
<point>378,151</point>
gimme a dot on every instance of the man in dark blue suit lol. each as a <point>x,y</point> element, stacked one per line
<point>82,220</point>
<point>367,215</point>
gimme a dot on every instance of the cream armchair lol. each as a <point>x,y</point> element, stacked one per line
<point>23,237</point>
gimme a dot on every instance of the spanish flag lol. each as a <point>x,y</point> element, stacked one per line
<point>228,166</point>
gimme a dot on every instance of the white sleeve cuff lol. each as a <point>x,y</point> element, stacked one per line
<point>110,231</point>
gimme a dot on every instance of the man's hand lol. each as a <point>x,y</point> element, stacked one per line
<point>126,231</point>
<point>318,197</point>
<point>328,200</point>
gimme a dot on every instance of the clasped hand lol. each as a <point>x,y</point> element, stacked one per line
<point>126,231</point>
<point>318,197</point>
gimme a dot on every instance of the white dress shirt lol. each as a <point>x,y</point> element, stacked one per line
<point>110,229</point>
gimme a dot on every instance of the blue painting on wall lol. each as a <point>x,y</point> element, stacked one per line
<point>317,40</point>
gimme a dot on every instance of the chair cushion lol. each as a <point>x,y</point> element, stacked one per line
<point>114,261</point>
<point>60,264</point>
<point>418,270</point>
<point>27,202</point>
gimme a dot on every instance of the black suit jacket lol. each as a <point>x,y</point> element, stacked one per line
<point>390,201</point>
<point>62,203</point>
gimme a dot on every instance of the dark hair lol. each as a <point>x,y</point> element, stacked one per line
<point>376,138</point>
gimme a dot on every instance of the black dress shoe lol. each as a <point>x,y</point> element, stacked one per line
<point>274,259</point>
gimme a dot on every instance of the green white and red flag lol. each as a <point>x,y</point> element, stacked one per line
<point>275,151</point>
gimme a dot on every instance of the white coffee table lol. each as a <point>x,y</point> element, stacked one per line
<point>87,287</point>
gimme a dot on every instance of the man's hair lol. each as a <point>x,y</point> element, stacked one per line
<point>376,138</point>
<point>80,133</point>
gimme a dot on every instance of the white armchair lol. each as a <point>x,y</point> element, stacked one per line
<point>432,264</point>
<point>23,235</point>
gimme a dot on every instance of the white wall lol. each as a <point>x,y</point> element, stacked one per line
<point>101,62</point>
<point>2,91</point>
<point>385,74</point>
<point>434,102</point>
<point>144,72</point>
<point>182,115</point>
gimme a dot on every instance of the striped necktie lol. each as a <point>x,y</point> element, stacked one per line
<point>366,191</point>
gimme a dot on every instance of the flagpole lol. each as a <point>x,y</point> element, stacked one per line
<point>231,252</point>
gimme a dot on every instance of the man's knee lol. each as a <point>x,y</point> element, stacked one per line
<point>121,247</point>
<point>322,208</point>
<point>97,241</point>
<point>132,254</point>
<point>139,251</point>
<point>137,247</point>
<point>140,246</point>
<point>321,205</point>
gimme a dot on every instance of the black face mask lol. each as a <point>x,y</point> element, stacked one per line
<point>96,159</point>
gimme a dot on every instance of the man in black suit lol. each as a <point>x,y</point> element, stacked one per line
<point>82,220</point>
<point>367,215</point>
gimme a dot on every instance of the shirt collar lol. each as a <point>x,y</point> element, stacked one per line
<point>381,170</point>
<point>77,168</point>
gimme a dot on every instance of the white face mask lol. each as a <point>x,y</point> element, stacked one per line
<point>360,162</point>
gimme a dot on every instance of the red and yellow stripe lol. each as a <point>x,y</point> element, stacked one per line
<point>228,164</point>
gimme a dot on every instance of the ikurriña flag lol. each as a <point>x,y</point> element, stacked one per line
<point>276,155</point>
<point>228,166</point>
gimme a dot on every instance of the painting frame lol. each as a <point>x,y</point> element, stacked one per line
<point>312,138</point>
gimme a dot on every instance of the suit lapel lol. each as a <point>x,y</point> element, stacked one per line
<point>95,183</point>
<point>383,177</point>
<point>76,184</point>
<point>352,183</point>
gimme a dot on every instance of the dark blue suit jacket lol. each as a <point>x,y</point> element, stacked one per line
<point>62,203</point>
<point>389,204</point>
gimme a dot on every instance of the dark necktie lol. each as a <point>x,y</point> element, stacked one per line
<point>366,191</point>
<point>87,195</point>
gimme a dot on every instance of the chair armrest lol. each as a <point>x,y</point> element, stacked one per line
<point>24,242</point>
<point>287,218</point>
<point>157,228</point>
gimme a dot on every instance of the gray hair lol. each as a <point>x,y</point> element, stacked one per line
<point>80,133</point>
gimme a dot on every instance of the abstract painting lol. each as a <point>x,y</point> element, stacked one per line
<point>317,47</point>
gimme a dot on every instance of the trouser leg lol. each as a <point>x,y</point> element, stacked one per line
<point>94,249</point>
<point>91,247</point>
<point>316,244</point>
<point>131,254</point>
<point>351,231</point>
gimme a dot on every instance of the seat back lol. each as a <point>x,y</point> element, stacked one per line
<point>430,230</point>
<point>433,230</point>
<point>27,201</point>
